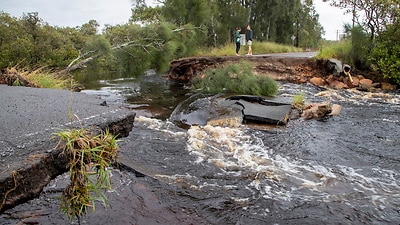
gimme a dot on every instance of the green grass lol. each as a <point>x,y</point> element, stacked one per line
<point>258,48</point>
<point>298,101</point>
<point>47,80</point>
<point>89,158</point>
<point>339,50</point>
<point>42,78</point>
<point>235,78</point>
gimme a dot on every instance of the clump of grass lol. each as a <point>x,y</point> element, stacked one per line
<point>235,79</point>
<point>258,48</point>
<point>89,157</point>
<point>45,79</point>
<point>42,79</point>
<point>298,101</point>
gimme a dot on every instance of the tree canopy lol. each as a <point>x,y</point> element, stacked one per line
<point>154,35</point>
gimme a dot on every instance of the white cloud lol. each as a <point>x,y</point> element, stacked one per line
<point>73,12</point>
<point>331,18</point>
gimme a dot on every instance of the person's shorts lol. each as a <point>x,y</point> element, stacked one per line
<point>249,43</point>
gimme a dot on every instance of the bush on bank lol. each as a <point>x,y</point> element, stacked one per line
<point>235,79</point>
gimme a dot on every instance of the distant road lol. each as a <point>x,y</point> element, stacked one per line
<point>289,55</point>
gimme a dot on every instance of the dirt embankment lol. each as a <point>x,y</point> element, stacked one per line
<point>320,72</point>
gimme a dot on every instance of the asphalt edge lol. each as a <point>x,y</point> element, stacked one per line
<point>21,185</point>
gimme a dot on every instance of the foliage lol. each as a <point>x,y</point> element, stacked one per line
<point>361,48</point>
<point>29,42</point>
<point>339,50</point>
<point>89,156</point>
<point>377,15</point>
<point>161,37</point>
<point>272,20</point>
<point>235,78</point>
<point>45,79</point>
<point>41,78</point>
<point>386,54</point>
<point>353,50</point>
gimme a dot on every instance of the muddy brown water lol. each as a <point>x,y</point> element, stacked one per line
<point>340,170</point>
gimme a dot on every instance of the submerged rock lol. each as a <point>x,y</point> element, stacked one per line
<point>320,110</point>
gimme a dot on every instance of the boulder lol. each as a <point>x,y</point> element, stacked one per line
<point>365,85</point>
<point>388,87</point>
<point>320,110</point>
<point>317,81</point>
<point>367,82</point>
<point>353,84</point>
<point>335,110</point>
<point>331,79</point>
<point>337,84</point>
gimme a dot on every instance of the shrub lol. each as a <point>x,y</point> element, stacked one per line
<point>236,79</point>
<point>361,48</point>
<point>386,55</point>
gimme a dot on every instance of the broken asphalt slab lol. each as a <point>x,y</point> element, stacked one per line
<point>263,110</point>
<point>29,117</point>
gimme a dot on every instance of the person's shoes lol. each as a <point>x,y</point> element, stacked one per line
<point>237,54</point>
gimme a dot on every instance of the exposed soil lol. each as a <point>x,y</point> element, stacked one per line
<point>294,70</point>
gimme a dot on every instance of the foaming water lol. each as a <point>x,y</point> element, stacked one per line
<point>354,96</point>
<point>346,164</point>
<point>235,149</point>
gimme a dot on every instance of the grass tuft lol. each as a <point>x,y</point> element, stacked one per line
<point>41,78</point>
<point>89,156</point>
<point>235,79</point>
<point>298,101</point>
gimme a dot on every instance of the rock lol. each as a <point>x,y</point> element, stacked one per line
<point>337,84</point>
<point>353,84</point>
<point>388,87</point>
<point>317,81</point>
<point>360,77</point>
<point>335,110</point>
<point>330,79</point>
<point>367,82</point>
<point>316,110</point>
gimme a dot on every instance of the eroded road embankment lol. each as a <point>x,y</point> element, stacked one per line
<point>29,117</point>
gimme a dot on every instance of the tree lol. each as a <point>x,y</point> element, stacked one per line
<point>15,43</point>
<point>373,15</point>
<point>386,54</point>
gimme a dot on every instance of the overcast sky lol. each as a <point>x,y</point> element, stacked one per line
<point>74,13</point>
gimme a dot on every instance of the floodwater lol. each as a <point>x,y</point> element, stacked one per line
<point>339,170</point>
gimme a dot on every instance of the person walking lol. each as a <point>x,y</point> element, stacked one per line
<point>249,37</point>
<point>237,40</point>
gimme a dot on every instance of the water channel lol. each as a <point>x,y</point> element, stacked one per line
<point>340,170</point>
